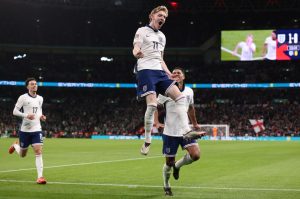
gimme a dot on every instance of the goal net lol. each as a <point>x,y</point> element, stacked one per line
<point>216,131</point>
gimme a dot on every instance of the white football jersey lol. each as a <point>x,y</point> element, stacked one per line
<point>172,123</point>
<point>271,51</point>
<point>152,45</point>
<point>247,51</point>
<point>30,105</point>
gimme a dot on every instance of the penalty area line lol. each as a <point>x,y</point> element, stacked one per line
<point>156,186</point>
<point>81,164</point>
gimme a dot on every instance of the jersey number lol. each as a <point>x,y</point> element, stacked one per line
<point>155,45</point>
<point>34,109</point>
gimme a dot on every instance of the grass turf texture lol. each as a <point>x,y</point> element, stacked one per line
<point>229,40</point>
<point>83,168</point>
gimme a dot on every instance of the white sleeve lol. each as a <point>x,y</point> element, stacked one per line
<point>192,97</point>
<point>164,40</point>
<point>18,106</point>
<point>189,95</point>
<point>138,37</point>
<point>42,105</point>
<point>42,100</point>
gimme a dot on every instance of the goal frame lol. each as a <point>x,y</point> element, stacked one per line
<point>216,126</point>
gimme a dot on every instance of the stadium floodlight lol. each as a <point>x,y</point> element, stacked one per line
<point>20,56</point>
<point>106,59</point>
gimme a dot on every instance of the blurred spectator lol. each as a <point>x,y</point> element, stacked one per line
<point>83,112</point>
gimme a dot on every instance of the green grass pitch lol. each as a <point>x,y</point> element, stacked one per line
<point>229,39</point>
<point>84,168</point>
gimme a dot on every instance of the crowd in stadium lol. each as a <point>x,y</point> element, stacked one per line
<point>82,113</point>
<point>66,45</point>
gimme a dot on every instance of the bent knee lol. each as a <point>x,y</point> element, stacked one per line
<point>195,157</point>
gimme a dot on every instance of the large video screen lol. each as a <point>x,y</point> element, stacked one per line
<point>252,45</point>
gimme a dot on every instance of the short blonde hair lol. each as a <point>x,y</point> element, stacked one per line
<point>158,9</point>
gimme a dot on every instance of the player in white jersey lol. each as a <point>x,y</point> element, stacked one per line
<point>269,48</point>
<point>247,48</point>
<point>173,134</point>
<point>29,108</point>
<point>153,75</point>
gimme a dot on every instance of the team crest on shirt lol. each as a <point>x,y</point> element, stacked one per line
<point>160,39</point>
<point>145,88</point>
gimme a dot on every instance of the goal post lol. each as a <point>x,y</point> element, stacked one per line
<point>216,131</point>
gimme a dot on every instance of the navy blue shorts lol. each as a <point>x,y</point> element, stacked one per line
<point>32,138</point>
<point>152,81</point>
<point>171,144</point>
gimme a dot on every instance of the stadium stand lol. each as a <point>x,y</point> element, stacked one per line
<point>64,40</point>
<point>84,112</point>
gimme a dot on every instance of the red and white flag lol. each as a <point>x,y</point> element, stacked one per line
<point>258,125</point>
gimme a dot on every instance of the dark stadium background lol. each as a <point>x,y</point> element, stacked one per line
<point>64,40</point>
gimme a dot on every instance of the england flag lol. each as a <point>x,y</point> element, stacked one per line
<point>258,125</point>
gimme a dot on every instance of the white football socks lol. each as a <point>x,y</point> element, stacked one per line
<point>149,120</point>
<point>185,160</point>
<point>39,165</point>
<point>166,175</point>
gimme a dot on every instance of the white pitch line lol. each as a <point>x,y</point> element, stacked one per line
<point>156,186</point>
<point>230,51</point>
<point>80,164</point>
